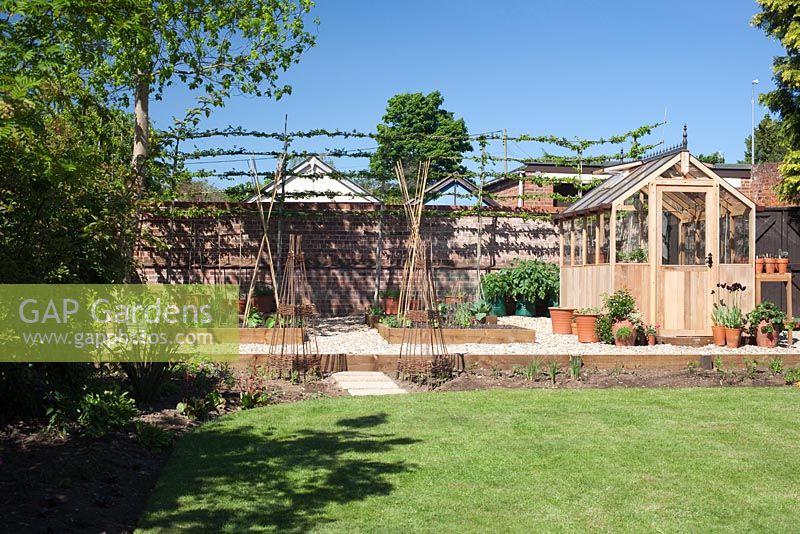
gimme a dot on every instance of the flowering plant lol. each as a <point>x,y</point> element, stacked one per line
<point>651,329</point>
<point>727,312</point>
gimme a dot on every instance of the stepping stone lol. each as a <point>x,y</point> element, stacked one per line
<point>362,383</point>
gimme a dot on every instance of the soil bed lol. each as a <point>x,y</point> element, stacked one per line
<point>81,484</point>
<point>606,378</point>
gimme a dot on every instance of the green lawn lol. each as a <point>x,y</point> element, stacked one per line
<point>554,460</point>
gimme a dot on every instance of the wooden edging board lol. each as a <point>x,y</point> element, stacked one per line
<point>458,336</point>
<point>388,362</point>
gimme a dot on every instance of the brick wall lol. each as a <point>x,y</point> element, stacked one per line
<point>761,187</point>
<point>540,198</point>
<point>340,247</point>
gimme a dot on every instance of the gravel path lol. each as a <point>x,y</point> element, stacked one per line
<point>349,335</point>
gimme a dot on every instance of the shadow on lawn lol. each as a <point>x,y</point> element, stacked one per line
<point>248,478</point>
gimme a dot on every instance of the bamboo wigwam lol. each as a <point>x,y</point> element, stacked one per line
<point>423,352</point>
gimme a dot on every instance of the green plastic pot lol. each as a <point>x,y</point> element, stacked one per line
<point>525,308</point>
<point>498,307</point>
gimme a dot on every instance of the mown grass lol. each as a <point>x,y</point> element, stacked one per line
<point>612,460</point>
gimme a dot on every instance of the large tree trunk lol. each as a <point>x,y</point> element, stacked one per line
<point>141,132</point>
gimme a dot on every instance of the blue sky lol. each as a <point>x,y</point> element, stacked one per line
<point>571,68</point>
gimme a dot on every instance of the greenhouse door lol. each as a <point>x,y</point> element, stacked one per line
<point>686,258</point>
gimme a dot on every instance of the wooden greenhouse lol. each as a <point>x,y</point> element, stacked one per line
<point>668,229</point>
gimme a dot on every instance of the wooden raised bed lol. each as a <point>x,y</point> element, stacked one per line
<point>264,335</point>
<point>457,336</point>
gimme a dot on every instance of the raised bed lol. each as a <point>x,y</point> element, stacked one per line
<point>458,336</point>
<point>264,335</point>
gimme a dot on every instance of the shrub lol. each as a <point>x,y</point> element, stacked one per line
<point>99,413</point>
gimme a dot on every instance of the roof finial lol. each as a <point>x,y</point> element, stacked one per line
<point>685,137</point>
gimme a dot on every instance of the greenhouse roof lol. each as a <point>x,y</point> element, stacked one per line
<point>601,197</point>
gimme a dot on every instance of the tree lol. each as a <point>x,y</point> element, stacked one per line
<point>778,19</point>
<point>134,49</point>
<point>771,142</point>
<point>416,128</point>
<point>713,158</point>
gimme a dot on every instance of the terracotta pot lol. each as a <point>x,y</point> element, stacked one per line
<point>631,341</point>
<point>733,337</point>
<point>585,325</point>
<point>651,340</point>
<point>242,305</point>
<point>783,265</point>
<point>454,299</point>
<point>372,320</point>
<point>759,265</point>
<point>390,305</point>
<point>562,320</point>
<point>769,340</point>
<point>769,265</point>
<point>719,335</point>
<point>574,327</point>
<point>264,303</point>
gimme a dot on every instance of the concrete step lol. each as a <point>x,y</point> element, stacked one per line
<point>364,383</point>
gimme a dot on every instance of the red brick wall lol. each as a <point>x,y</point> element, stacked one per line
<point>340,249</point>
<point>761,187</point>
<point>540,198</point>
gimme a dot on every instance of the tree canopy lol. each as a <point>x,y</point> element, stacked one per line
<point>771,142</point>
<point>415,128</point>
<point>131,50</point>
<point>778,19</point>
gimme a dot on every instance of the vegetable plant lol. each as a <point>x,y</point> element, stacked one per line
<point>533,281</point>
<point>495,285</point>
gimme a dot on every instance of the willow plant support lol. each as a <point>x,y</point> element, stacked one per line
<point>293,342</point>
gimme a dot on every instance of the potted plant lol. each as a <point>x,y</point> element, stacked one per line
<point>391,299</point>
<point>733,319</point>
<point>532,282</point>
<point>623,335</point>
<point>782,261</point>
<point>585,320</point>
<point>651,331</point>
<point>561,319</point>
<point>373,316</point>
<point>770,264</point>
<point>718,319</point>
<point>495,291</point>
<point>263,298</point>
<point>765,323</point>
<point>759,264</point>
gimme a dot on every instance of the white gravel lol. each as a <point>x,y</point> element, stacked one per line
<point>349,335</point>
